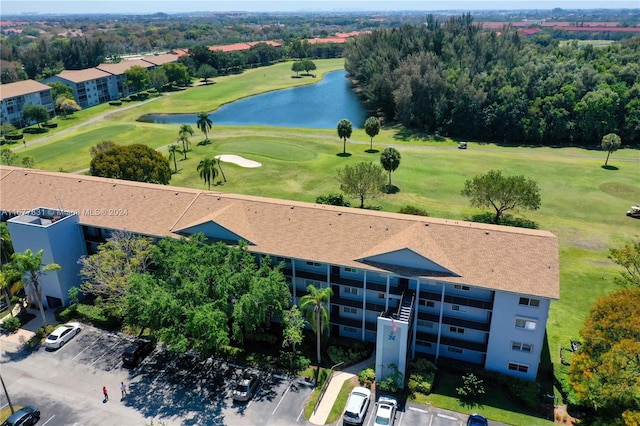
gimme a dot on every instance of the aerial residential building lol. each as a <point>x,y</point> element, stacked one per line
<point>411,285</point>
<point>90,86</point>
<point>118,71</point>
<point>15,96</point>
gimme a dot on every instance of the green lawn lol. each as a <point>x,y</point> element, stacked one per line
<point>582,203</point>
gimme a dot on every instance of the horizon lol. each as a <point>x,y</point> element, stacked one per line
<point>76,7</point>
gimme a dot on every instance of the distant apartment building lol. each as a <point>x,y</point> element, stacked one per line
<point>106,82</point>
<point>15,96</point>
<point>413,286</point>
<point>90,86</point>
<point>118,72</point>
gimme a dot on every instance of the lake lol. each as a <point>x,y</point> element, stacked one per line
<point>320,105</point>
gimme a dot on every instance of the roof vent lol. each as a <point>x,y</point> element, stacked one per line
<point>426,224</point>
<point>486,232</point>
<point>291,207</point>
<point>79,180</point>
<point>114,185</point>
<point>339,213</point>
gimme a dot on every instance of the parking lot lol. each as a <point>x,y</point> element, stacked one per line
<point>177,389</point>
<point>165,388</point>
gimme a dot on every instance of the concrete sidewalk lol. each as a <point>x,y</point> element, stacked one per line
<point>13,342</point>
<point>319,417</point>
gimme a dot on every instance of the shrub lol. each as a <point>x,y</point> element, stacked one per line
<point>366,377</point>
<point>347,354</point>
<point>231,352</point>
<point>422,373</point>
<point>417,211</point>
<point>115,103</point>
<point>472,387</point>
<point>11,324</point>
<point>333,200</point>
<point>505,220</point>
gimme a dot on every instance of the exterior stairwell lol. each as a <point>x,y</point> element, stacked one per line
<point>406,306</point>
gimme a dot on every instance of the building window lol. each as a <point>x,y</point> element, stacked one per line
<point>423,323</point>
<point>349,329</point>
<point>316,264</point>
<point>352,270</point>
<point>525,301</point>
<point>520,368</point>
<point>381,295</point>
<point>525,324</point>
<point>456,329</point>
<point>458,308</point>
<point>461,287</point>
<point>349,310</point>
<point>350,290</point>
<point>423,343</point>
<point>456,350</point>
<point>316,284</point>
<point>521,347</point>
<point>427,303</point>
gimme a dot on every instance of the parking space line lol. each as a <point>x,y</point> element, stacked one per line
<point>300,415</point>
<point>444,416</point>
<point>50,418</point>
<point>101,356</point>
<point>419,410</point>
<point>400,419</point>
<point>73,359</point>
<point>281,399</point>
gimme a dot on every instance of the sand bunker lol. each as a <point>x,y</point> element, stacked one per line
<point>240,161</point>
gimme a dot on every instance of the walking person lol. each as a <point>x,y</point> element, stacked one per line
<point>106,395</point>
<point>123,389</point>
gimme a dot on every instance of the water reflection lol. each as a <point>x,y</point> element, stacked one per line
<point>319,105</point>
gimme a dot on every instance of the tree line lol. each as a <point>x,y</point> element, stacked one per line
<point>454,79</point>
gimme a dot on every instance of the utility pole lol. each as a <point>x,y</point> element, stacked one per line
<point>7,394</point>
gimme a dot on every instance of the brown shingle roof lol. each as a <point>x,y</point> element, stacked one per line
<point>121,67</point>
<point>19,88</point>
<point>80,76</point>
<point>161,59</point>
<point>500,258</point>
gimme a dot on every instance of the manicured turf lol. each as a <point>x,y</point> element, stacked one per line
<point>583,203</point>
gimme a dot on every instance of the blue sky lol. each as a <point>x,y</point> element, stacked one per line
<point>153,6</point>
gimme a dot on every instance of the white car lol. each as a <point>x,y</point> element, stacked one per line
<point>357,406</point>
<point>62,335</point>
<point>386,411</point>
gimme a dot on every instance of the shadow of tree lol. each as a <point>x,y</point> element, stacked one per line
<point>343,154</point>
<point>371,151</point>
<point>391,189</point>
<point>608,167</point>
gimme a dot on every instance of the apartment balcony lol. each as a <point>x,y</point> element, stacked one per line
<point>337,319</point>
<point>463,344</point>
<point>467,301</point>
<point>460,322</point>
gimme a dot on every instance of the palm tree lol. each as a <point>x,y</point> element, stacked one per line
<point>173,150</point>
<point>372,127</point>
<point>204,123</point>
<point>207,170</point>
<point>314,305</point>
<point>390,160</point>
<point>220,167</point>
<point>30,266</point>
<point>183,136</point>
<point>8,277</point>
<point>344,132</point>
